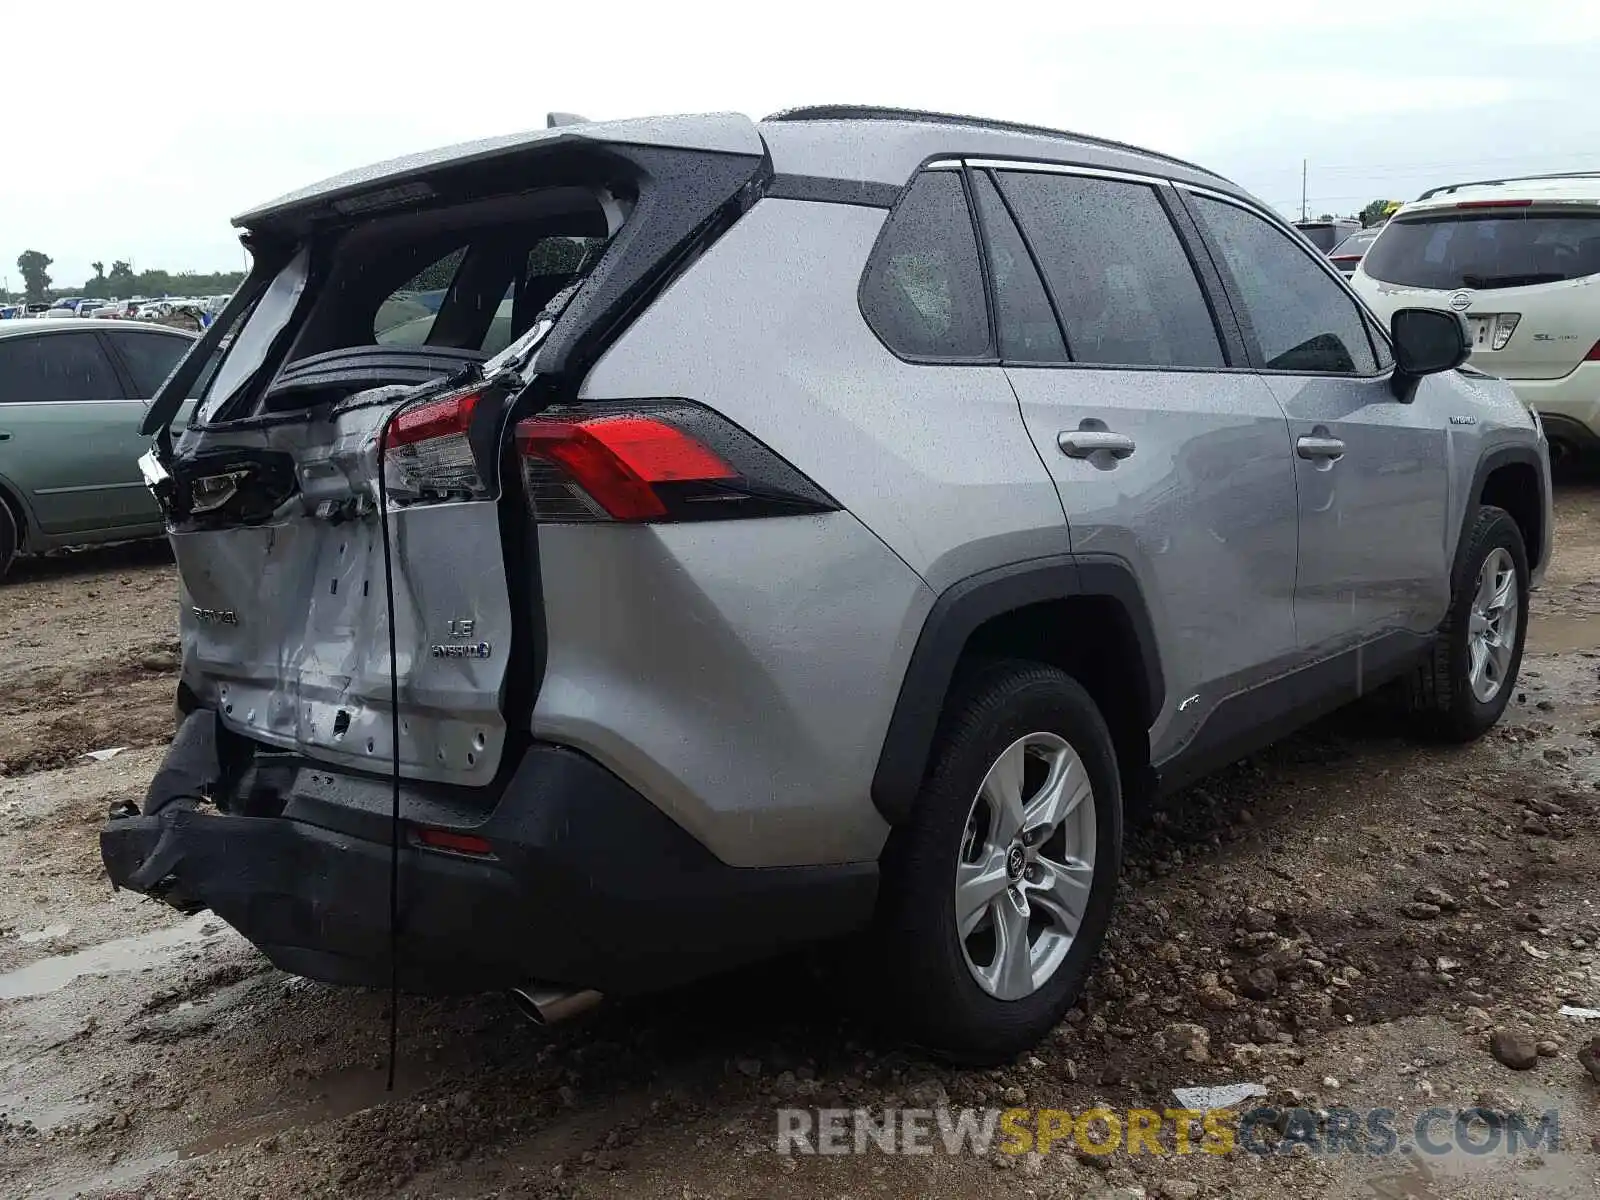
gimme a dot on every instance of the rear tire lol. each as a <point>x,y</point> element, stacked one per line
<point>1019,882</point>
<point>1467,681</point>
<point>8,538</point>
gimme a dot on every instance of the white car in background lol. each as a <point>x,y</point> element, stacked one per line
<point>1519,258</point>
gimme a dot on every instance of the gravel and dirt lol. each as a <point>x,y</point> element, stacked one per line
<point>1349,920</point>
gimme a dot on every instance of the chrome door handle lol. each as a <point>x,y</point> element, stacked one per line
<point>1319,447</point>
<point>1081,443</point>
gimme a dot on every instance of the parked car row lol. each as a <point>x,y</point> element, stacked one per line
<point>138,308</point>
<point>72,397</point>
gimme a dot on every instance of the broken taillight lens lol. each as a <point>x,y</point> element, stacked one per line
<point>427,454</point>
<point>654,460</point>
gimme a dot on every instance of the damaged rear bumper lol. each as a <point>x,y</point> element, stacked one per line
<point>586,883</point>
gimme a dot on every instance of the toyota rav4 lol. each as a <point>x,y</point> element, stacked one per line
<point>626,550</point>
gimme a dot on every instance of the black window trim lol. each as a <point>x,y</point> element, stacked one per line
<point>124,381</point>
<point>1229,337</point>
<point>941,163</point>
<point>1235,301</point>
<point>988,276</point>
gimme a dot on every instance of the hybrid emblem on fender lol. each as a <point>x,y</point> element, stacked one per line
<point>1463,420</point>
<point>457,650</point>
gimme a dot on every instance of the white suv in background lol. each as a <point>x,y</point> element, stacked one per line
<point>1518,257</point>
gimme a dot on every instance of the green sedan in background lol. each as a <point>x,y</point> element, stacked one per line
<point>72,395</point>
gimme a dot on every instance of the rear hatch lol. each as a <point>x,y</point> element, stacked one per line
<point>1522,271</point>
<point>398,324</point>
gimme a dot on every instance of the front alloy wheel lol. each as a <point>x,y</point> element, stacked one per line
<point>1492,625</point>
<point>1026,866</point>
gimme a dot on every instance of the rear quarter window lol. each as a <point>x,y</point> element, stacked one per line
<point>922,293</point>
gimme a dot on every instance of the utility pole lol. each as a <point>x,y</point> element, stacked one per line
<point>1302,189</point>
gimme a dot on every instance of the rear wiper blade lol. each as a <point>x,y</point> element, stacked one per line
<point>1526,279</point>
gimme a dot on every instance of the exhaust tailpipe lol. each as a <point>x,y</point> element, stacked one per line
<point>548,1006</point>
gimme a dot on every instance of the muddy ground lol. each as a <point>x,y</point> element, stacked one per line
<point>1348,919</point>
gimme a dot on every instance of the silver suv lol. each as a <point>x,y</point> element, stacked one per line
<point>626,550</point>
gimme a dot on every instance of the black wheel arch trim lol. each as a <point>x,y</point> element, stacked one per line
<point>1488,465</point>
<point>961,610</point>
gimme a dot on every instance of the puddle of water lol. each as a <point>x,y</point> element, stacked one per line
<point>48,933</point>
<point>125,954</point>
<point>130,1172</point>
<point>46,1116</point>
<point>1550,1175</point>
<point>1559,633</point>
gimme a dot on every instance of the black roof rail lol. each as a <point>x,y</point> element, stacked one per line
<point>1451,187</point>
<point>869,112</point>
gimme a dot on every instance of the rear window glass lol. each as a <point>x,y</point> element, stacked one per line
<point>407,314</point>
<point>1323,237</point>
<point>1495,248</point>
<point>410,316</point>
<point>923,290</point>
<point>1356,243</point>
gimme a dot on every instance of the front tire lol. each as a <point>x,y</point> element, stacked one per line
<point>1467,681</point>
<point>997,892</point>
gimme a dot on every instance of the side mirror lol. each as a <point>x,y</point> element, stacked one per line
<point>1426,341</point>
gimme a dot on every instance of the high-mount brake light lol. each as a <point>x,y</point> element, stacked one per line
<point>654,460</point>
<point>1494,204</point>
<point>427,454</point>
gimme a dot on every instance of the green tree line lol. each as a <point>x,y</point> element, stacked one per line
<point>121,281</point>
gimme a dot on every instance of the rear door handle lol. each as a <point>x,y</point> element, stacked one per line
<point>1081,443</point>
<point>1319,447</point>
<point>5,435</point>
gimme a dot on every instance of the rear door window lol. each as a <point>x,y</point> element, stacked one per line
<point>923,288</point>
<point>1120,277</point>
<point>1300,318</point>
<point>149,357</point>
<point>1487,248</point>
<point>54,368</point>
<point>1023,317</point>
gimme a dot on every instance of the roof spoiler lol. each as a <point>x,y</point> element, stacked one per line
<point>1451,187</point>
<point>556,120</point>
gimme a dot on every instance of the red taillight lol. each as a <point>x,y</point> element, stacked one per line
<point>619,460</point>
<point>431,419</point>
<point>1350,259</point>
<point>426,452</point>
<point>1594,353</point>
<point>654,461</point>
<point>1494,204</point>
<point>449,839</point>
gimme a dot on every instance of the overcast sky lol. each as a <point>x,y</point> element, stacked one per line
<point>136,130</point>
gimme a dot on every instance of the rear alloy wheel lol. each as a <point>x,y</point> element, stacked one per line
<point>997,890</point>
<point>1026,865</point>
